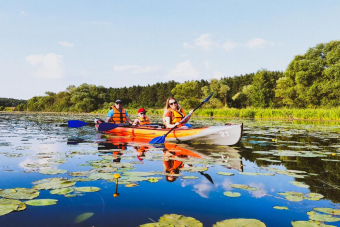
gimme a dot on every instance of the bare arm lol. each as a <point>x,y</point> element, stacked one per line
<point>136,122</point>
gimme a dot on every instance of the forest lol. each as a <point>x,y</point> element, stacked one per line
<point>311,80</point>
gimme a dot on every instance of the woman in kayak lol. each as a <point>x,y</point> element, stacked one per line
<point>173,114</point>
<point>142,119</point>
<point>117,114</point>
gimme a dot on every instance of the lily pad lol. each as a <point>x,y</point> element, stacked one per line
<point>62,191</point>
<point>20,205</point>
<point>299,184</point>
<point>19,193</point>
<point>322,217</point>
<point>41,202</point>
<point>280,208</point>
<point>53,183</point>
<point>225,173</point>
<point>232,194</point>
<point>8,208</point>
<point>153,180</point>
<point>83,217</point>
<point>240,222</point>
<point>328,210</point>
<point>52,171</point>
<point>175,220</point>
<point>309,223</point>
<point>87,189</point>
<point>190,177</point>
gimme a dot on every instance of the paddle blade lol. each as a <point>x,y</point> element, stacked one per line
<point>207,99</point>
<point>106,126</point>
<point>157,140</point>
<point>76,124</point>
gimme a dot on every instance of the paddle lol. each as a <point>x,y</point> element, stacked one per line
<point>161,139</point>
<point>76,124</point>
<point>107,126</point>
<point>207,176</point>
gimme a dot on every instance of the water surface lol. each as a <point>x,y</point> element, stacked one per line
<point>273,157</point>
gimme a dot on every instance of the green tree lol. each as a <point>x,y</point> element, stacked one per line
<point>313,79</point>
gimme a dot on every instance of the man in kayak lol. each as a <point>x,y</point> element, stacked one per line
<point>142,119</point>
<point>173,114</point>
<point>117,114</point>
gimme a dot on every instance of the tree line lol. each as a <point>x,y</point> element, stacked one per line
<point>311,80</point>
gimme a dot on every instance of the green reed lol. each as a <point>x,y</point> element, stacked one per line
<point>257,113</point>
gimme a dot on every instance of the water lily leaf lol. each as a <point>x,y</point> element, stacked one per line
<point>62,191</point>
<point>153,180</point>
<point>20,205</point>
<point>52,171</point>
<point>131,185</point>
<point>7,208</point>
<point>240,222</point>
<point>299,184</point>
<point>280,208</point>
<point>190,177</point>
<point>309,223</point>
<point>328,210</point>
<point>313,196</point>
<point>322,217</point>
<point>178,220</point>
<point>80,173</point>
<point>194,169</point>
<point>248,173</point>
<point>83,217</point>
<point>87,189</point>
<point>138,174</point>
<point>41,202</point>
<point>245,187</point>
<point>232,194</point>
<point>19,193</point>
<point>225,173</point>
<point>53,183</point>
<point>104,176</point>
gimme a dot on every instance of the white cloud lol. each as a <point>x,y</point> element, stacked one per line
<point>66,44</point>
<point>229,45</point>
<point>205,42</point>
<point>258,194</point>
<point>23,13</point>
<point>256,43</point>
<point>49,66</point>
<point>203,189</point>
<point>188,46</point>
<point>183,71</point>
<point>136,69</point>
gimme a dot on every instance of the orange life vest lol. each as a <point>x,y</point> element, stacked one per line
<point>118,117</point>
<point>144,121</point>
<point>178,116</point>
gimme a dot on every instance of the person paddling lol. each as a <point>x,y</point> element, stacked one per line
<point>173,114</point>
<point>117,114</point>
<point>142,119</point>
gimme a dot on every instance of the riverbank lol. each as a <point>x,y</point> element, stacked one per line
<point>254,113</point>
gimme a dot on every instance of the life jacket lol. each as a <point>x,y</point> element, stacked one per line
<point>118,117</point>
<point>172,164</point>
<point>144,121</point>
<point>178,116</point>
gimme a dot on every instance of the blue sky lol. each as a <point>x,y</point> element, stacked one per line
<point>49,45</point>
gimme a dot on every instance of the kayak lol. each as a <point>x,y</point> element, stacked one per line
<point>229,134</point>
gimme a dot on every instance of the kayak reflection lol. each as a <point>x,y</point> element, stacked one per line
<point>176,158</point>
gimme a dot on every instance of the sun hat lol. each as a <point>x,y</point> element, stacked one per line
<point>141,110</point>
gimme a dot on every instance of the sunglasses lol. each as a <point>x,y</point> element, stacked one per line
<point>142,113</point>
<point>171,103</point>
<point>119,103</point>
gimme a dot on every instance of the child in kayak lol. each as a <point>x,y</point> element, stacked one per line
<point>173,114</point>
<point>142,119</point>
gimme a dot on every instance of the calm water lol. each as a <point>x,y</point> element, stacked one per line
<point>281,154</point>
